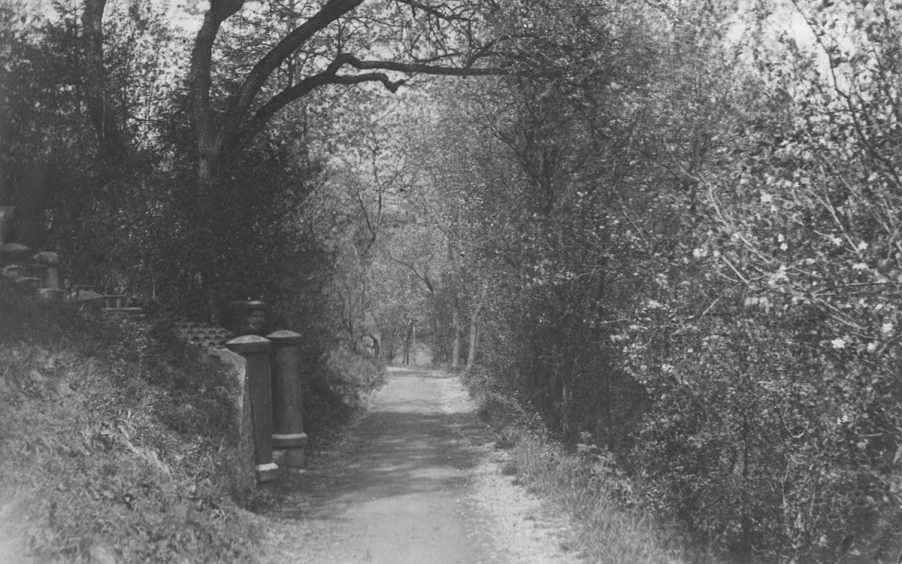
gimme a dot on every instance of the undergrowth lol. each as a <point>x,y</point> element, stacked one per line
<point>335,392</point>
<point>585,483</point>
<point>118,442</point>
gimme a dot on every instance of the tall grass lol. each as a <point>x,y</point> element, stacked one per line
<point>584,483</point>
<point>607,531</point>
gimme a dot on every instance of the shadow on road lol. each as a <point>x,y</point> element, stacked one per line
<point>406,446</point>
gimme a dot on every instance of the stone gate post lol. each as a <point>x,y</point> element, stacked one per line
<point>288,423</point>
<point>256,351</point>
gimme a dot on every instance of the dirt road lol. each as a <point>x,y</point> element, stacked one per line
<point>419,482</point>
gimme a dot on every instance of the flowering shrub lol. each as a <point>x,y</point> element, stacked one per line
<point>771,352</point>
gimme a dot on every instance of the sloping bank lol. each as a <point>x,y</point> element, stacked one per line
<point>119,443</point>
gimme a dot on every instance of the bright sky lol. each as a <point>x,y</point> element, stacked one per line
<point>175,9</point>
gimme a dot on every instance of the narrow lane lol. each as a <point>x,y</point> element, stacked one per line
<point>403,491</point>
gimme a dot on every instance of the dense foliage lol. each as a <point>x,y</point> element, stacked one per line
<point>141,223</point>
<point>687,225</point>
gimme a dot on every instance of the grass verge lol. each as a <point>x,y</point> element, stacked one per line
<point>585,484</point>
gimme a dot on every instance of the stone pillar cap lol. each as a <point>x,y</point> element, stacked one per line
<point>13,248</point>
<point>285,337</point>
<point>248,304</point>
<point>46,257</point>
<point>248,344</point>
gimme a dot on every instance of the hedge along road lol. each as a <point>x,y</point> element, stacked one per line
<point>419,482</point>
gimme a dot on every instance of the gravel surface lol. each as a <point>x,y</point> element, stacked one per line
<point>419,481</point>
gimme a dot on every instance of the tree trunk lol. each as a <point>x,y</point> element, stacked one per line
<point>407,349</point>
<point>441,350</point>
<point>377,348</point>
<point>101,110</point>
<point>455,333</point>
<point>474,327</point>
<point>471,353</point>
<point>455,307</point>
<point>209,137</point>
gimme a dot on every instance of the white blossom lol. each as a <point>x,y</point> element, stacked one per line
<point>838,343</point>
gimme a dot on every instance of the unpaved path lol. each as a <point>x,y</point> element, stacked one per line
<point>419,482</point>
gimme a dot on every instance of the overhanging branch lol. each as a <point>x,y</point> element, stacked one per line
<point>433,11</point>
<point>253,83</point>
<point>330,76</point>
<point>421,68</point>
<point>298,91</point>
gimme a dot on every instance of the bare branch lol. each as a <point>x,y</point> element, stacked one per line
<point>423,277</point>
<point>420,68</point>
<point>369,225</point>
<point>244,97</point>
<point>330,76</point>
<point>433,11</point>
<point>297,91</point>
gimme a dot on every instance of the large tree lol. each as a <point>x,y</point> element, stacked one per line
<point>321,43</point>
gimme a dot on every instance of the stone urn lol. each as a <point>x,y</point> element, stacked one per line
<point>247,317</point>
